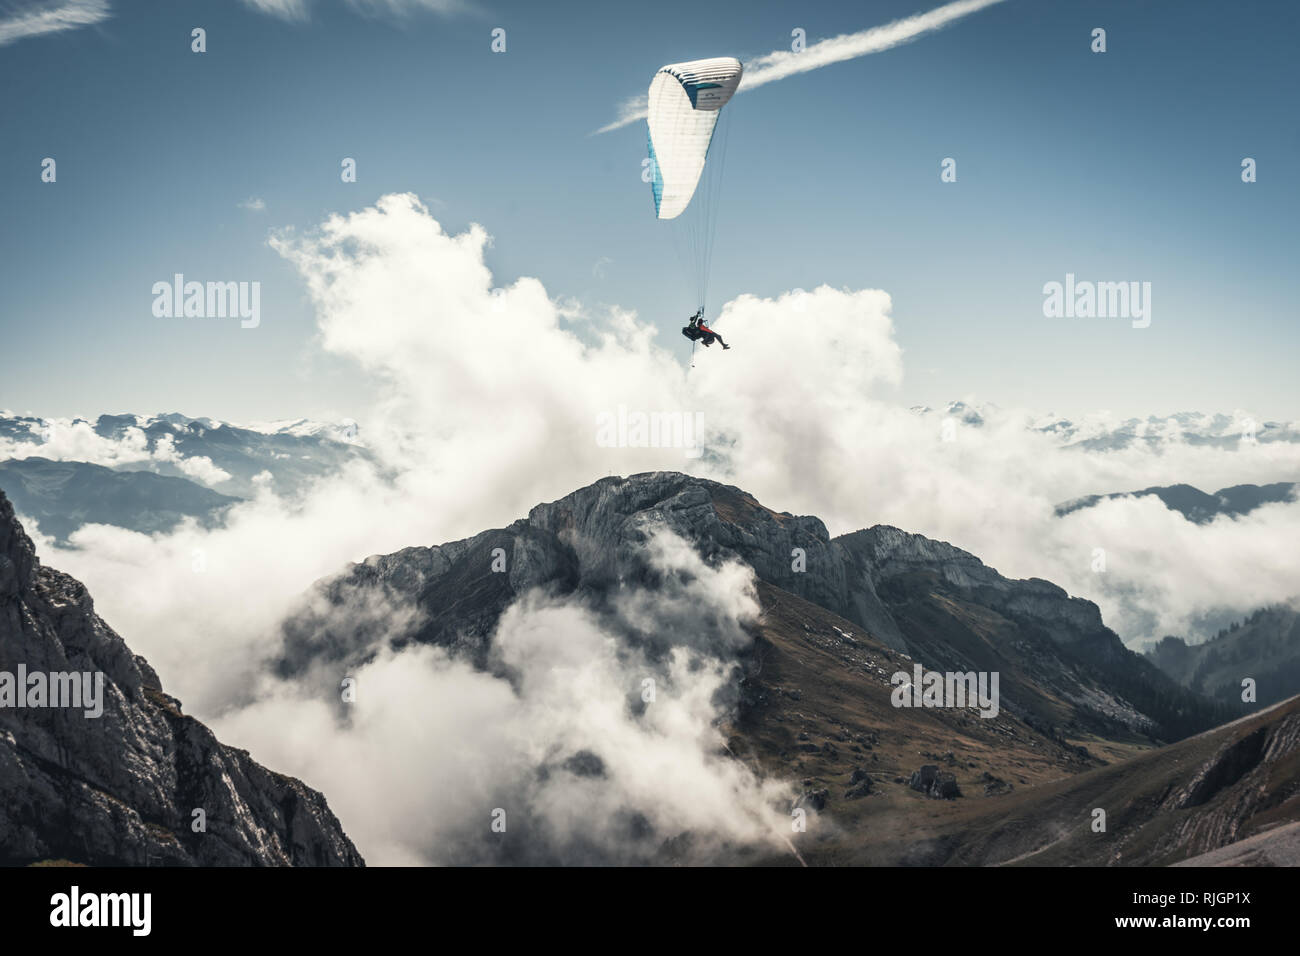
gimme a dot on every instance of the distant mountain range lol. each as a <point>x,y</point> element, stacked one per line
<point>153,472</point>
<point>1193,428</point>
<point>291,453</point>
<point>64,495</point>
<point>1103,432</point>
<point>1194,504</point>
<point>232,461</point>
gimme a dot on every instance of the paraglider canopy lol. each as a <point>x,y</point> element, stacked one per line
<point>684,101</point>
<point>684,105</point>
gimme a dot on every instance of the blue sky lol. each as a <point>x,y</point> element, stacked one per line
<point>1119,166</point>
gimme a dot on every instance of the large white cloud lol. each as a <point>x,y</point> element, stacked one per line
<point>587,762</point>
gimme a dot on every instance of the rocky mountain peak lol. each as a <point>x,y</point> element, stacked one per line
<point>914,595</point>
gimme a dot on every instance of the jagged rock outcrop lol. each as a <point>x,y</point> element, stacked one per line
<point>859,784</point>
<point>121,788</point>
<point>812,800</point>
<point>935,783</point>
<point>1226,768</point>
<point>1248,776</point>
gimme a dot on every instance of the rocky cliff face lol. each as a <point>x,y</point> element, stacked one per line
<point>122,788</point>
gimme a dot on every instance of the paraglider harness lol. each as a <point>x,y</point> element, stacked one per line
<point>697,331</point>
<point>692,328</point>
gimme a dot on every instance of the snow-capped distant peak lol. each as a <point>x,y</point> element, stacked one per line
<point>345,430</point>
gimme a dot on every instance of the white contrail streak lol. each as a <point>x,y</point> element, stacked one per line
<point>848,46</point>
<point>38,19</point>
